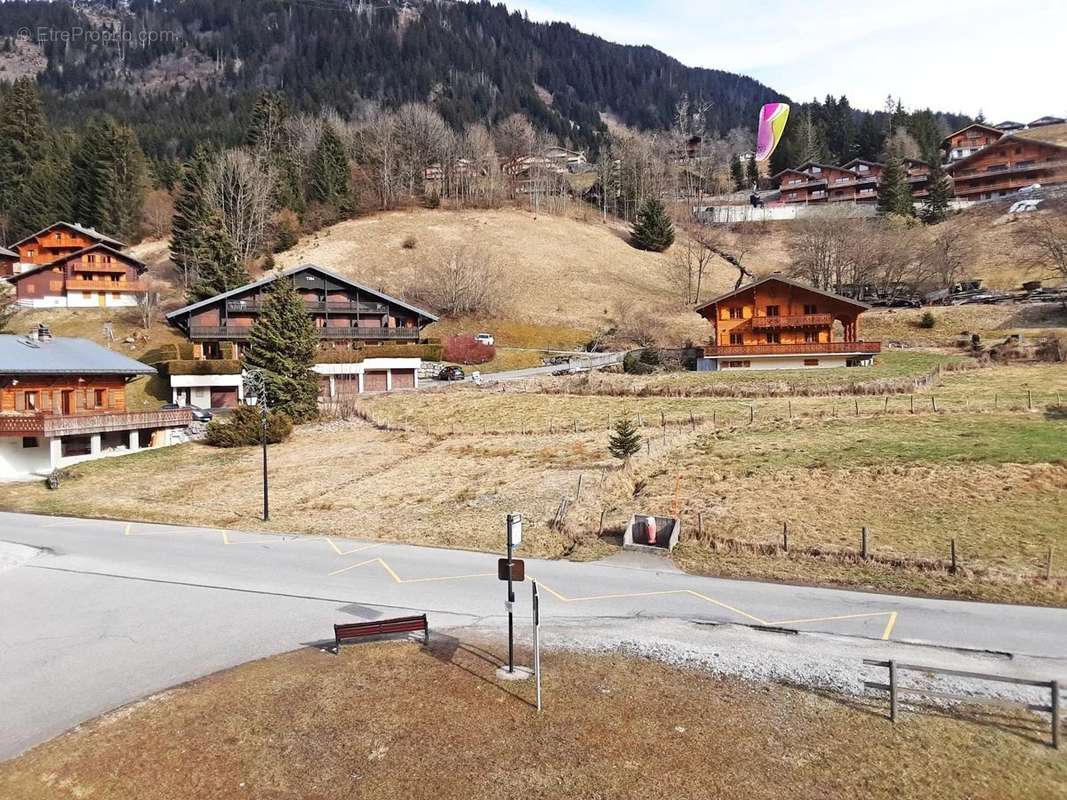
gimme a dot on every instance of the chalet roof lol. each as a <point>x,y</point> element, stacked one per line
<point>848,164</point>
<point>8,253</point>
<point>1009,125</point>
<point>1053,136</point>
<point>20,355</point>
<point>788,169</point>
<point>295,271</point>
<point>90,232</point>
<point>1042,121</point>
<point>808,164</point>
<point>914,161</point>
<point>982,125</point>
<point>781,279</point>
<point>141,266</point>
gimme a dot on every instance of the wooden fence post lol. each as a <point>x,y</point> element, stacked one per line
<point>892,690</point>
<point>785,537</point>
<point>933,402</point>
<point>996,400</point>
<point>714,419</point>
<point>551,425</point>
<point>952,551</point>
<point>609,420</point>
<point>578,493</point>
<point>648,446</point>
<point>600,530</point>
<point>864,537</point>
<point>1048,564</point>
<point>700,526</point>
<point>692,422</point>
<point>1029,400</point>
<point>751,413</point>
<point>662,420</point>
<point>913,404</point>
<point>575,426</point>
<point>885,410</point>
<point>1056,714</point>
<point>857,402</point>
<point>790,406</point>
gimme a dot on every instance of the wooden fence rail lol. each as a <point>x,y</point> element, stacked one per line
<point>895,690</point>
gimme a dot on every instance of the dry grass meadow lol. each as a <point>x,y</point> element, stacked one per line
<point>397,720</point>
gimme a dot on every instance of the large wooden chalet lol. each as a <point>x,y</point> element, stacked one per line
<point>347,315</point>
<point>855,181</point>
<point>778,323</point>
<point>63,400</point>
<point>1010,162</point>
<point>67,265</point>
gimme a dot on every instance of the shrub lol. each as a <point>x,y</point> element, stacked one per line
<point>464,350</point>
<point>432,200</point>
<point>927,320</point>
<point>242,429</point>
<point>286,230</point>
<point>212,366</point>
<point>634,365</point>
<point>409,243</point>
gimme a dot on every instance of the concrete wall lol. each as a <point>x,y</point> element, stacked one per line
<point>781,362</point>
<point>24,463</point>
<point>335,372</point>
<point>199,388</point>
<point>17,461</point>
<point>80,299</point>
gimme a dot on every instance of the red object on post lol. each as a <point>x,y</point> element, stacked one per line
<point>650,529</point>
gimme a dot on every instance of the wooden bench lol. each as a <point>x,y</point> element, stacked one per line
<point>354,630</point>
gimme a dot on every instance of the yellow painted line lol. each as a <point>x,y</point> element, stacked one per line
<point>341,552</point>
<point>444,577</point>
<point>127,531</point>
<point>354,566</point>
<point>889,626</point>
<point>831,619</point>
<point>728,608</point>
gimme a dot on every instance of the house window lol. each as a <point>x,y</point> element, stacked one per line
<point>736,312</point>
<point>736,364</point>
<point>811,362</point>
<point>809,308</point>
<point>774,337</point>
<point>811,336</point>
<point>772,311</point>
<point>100,398</point>
<point>31,401</point>
<point>29,441</point>
<point>737,338</point>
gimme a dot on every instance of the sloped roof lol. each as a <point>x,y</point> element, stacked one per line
<point>295,271</point>
<point>141,266</point>
<point>1042,121</point>
<point>981,125</point>
<point>91,232</point>
<point>64,356</point>
<point>8,253</point>
<point>1052,136</point>
<point>789,282</point>
<point>848,164</point>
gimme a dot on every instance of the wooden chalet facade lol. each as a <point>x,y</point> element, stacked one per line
<point>63,400</point>
<point>856,181</point>
<point>347,315</point>
<point>1012,162</point>
<point>68,266</point>
<point>778,323</point>
<point>969,140</point>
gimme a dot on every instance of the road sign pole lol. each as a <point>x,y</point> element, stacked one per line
<point>511,613</point>
<point>537,643</point>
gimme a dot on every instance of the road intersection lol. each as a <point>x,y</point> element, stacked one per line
<point>112,611</point>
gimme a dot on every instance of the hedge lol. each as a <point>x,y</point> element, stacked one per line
<point>210,366</point>
<point>427,352</point>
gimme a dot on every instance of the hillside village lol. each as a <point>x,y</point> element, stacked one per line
<point>330,358</point>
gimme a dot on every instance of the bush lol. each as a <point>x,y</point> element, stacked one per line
<point>242,429</point>
<point>286,230</point>
<point>464,350</point>
<point>432,200</point>
<point>211,366</point>
<point>634,365</point>
<point>409,243</point>
<point>927,320</point>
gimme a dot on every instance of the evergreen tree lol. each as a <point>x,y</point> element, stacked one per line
<point>870,139</point>
<point>653,229</point>
<point>935,207</point>
<point>215,262</point>
<point>737,172</point>
<point>329,172</point>
<point>752,172</point>
<point>894,191</point>
<point>191,216</point>
<point>624,441</point>
<point>270,140</point>
<point>282,344</point>
<point>109,179</point>
<point>23,132</point>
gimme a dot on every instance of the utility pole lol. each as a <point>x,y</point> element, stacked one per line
<point>255,383</point>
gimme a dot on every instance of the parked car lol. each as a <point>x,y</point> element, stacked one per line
<point>485,338</point>
<point>199,414</point>
<point>451,374</point>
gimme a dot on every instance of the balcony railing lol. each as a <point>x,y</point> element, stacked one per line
<point>52,425</point>
<point>104,286</point>
<point>232,332</point>
<point>805,349</point>
<point>797,321</point>
<point>1011,167</point>
<point>339,306</point>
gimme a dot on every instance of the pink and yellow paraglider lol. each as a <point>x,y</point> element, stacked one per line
<point>772,119</point>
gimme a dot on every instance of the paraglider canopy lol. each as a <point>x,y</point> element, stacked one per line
<point>772,118</point>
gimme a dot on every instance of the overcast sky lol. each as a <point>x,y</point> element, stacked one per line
<point>1008,59</point>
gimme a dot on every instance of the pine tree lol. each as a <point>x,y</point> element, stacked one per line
<point>894,191</point>
<point>109,179</point>
<point>624,441</point>
<point>282,344</point>
<point>329,172</point>
<point>23,132</point>
<point>737,173</point>
<point>653,229</point>
<point>191,215</point>
<point>752,172</point>
<point>216,265</point>
<point>46,193</point>
<point>935,207</point>
<point>270,140</point>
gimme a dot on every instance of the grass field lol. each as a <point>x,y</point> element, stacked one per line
<point>310,724</point>
<point>992,323</point>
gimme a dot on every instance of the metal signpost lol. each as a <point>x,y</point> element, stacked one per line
<point>254,380</point>
<point>514,540</point>
<point>537,643</point>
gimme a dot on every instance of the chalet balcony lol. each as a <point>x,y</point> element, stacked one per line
<point>83,285</point>
<point>797,321</point>
<point>802,349</point>
<point>241,332</point>
<point>51,425</point>
<point>1010,167</point>
<point>328,306</point>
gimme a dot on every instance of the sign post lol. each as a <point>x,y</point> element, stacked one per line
<point>514,540</point>
<point>537,643</point>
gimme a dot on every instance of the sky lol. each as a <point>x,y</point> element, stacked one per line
<point>1006,59</point>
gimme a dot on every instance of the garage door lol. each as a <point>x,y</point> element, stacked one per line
<point>403,379</point>
<point>224,398</point>
<point>374,381</point>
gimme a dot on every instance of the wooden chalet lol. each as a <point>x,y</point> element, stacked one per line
<point>969,140</point>
<point>63,400</point>
<point>779,323</point>
<point>855,181</point>
<point>1012,162</point>
<point>95,276</point>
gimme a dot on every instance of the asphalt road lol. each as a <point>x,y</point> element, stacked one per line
<point>111,612</point>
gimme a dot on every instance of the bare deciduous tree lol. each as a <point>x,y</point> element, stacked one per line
<point>240,187</point>
<point>158,213</point>
<point>1045,238</point>
<point>148,305</point>
<point>690,264</point>
<point>463,282</point>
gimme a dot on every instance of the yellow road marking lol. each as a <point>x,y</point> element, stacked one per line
<point>341,552</point>
<point>360,564</point>
<point>831,619</point>
<point>397,579</point>
<point>127,531</point>
<point>728,608</point>
<point>889,626</point>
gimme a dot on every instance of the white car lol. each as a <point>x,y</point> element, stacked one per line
<point>485,338</point>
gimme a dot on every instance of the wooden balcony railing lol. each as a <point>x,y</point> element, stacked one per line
<point>81,284</point>
<point>805,349</point>
<point>232,332</point>
<point>797,321</point>
<point>52,425</point>
<point>340,306</point>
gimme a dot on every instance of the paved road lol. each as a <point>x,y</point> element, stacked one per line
<point>114,611</point>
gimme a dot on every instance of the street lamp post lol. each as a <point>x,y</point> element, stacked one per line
<point>255,383</point>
